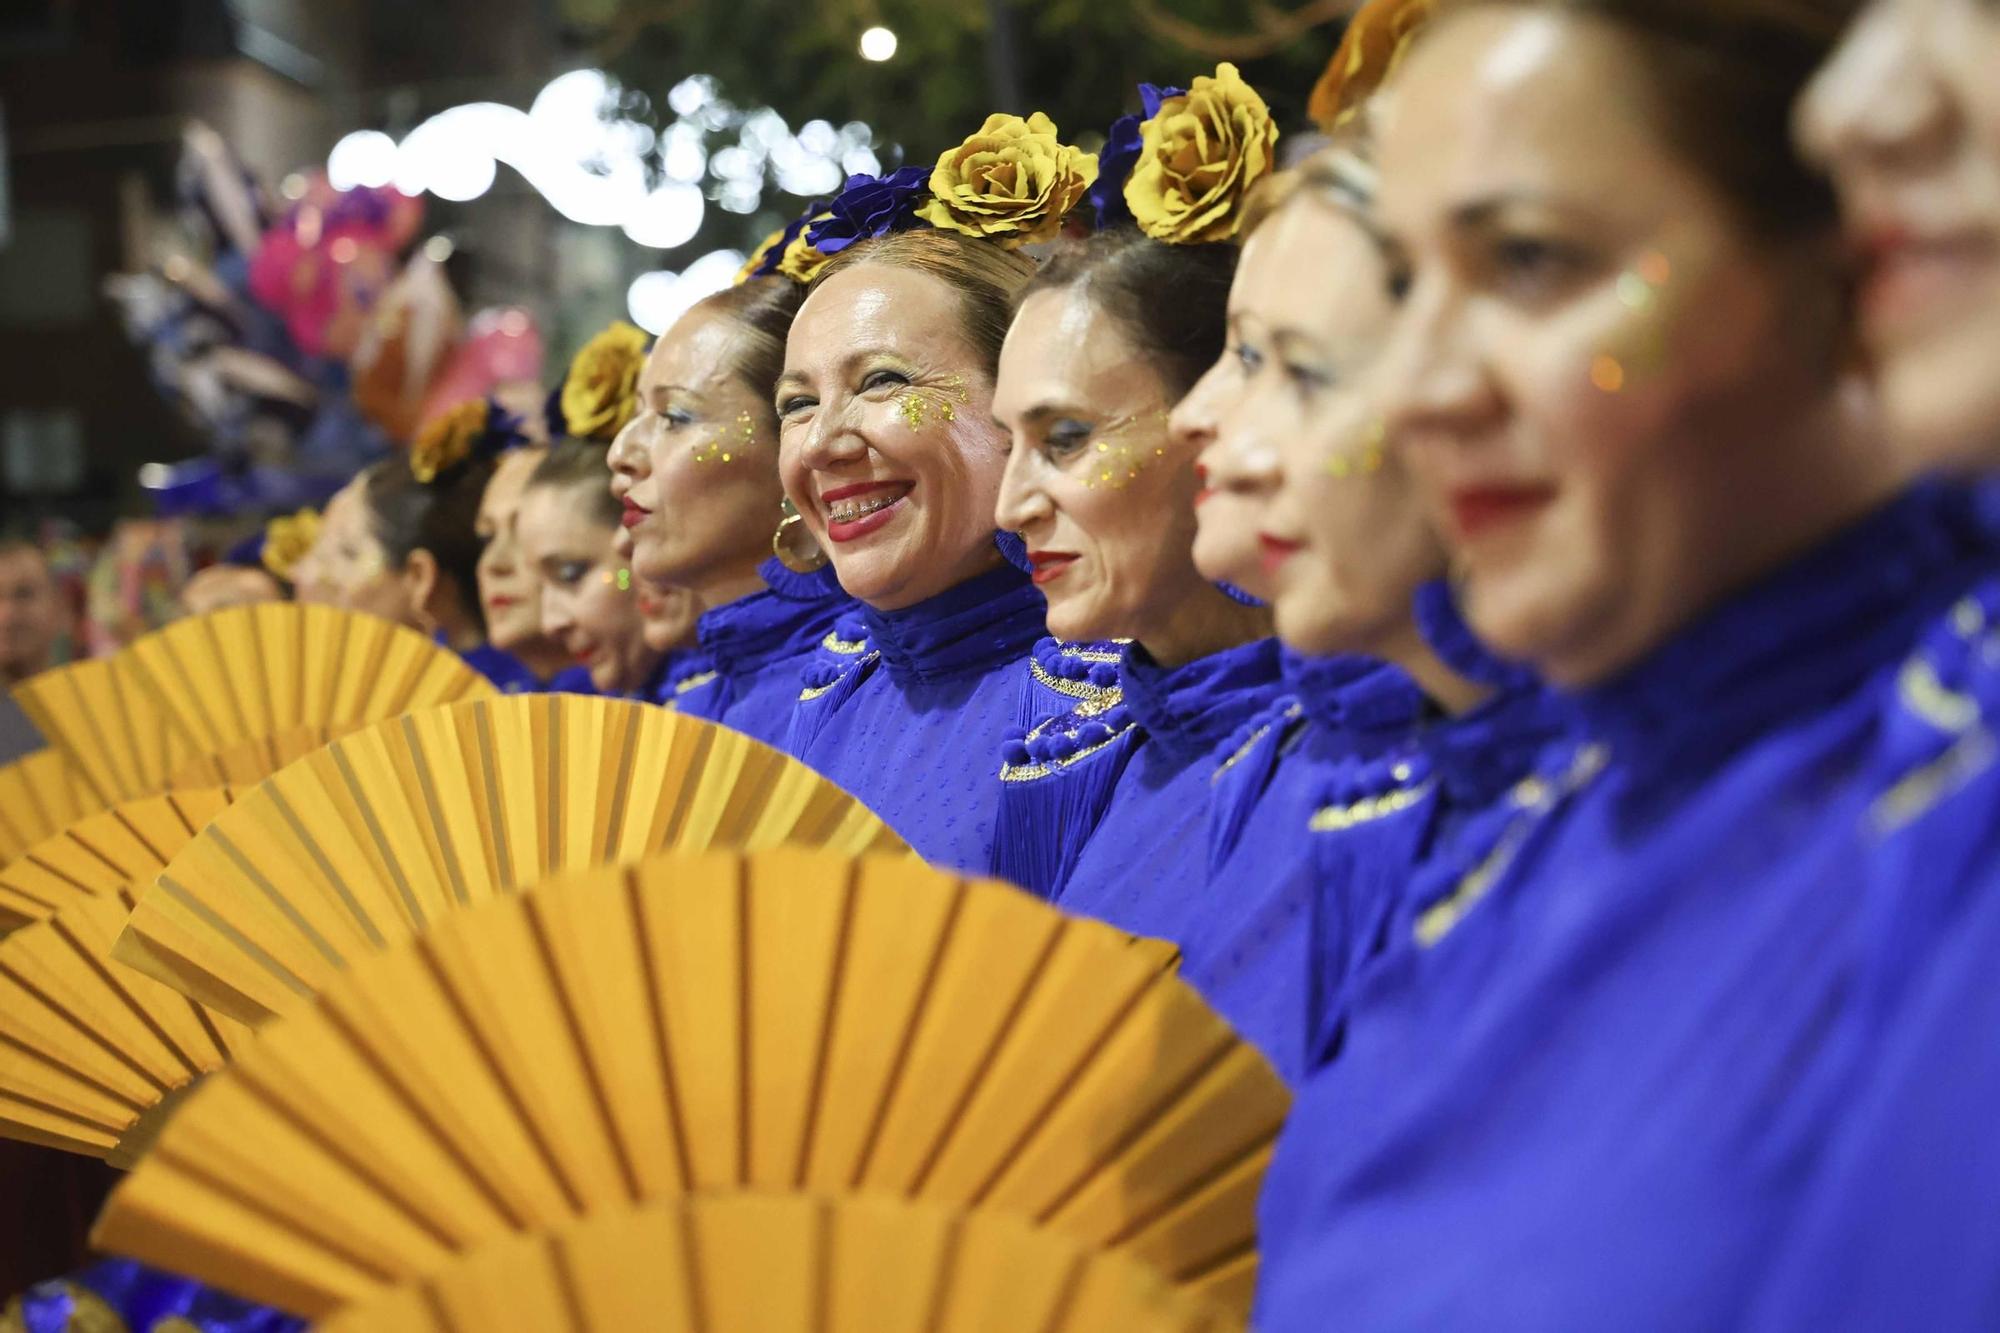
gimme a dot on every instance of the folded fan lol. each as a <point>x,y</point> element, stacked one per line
<point>790,1020</point>
<point>248,672</point>
<point>748,1263</point>
<point>369,840</point>
<point>247,763</point>
<point>39,794</point>
<point>98,855</point>
<point>106,719</point>
<point>89,1051</point>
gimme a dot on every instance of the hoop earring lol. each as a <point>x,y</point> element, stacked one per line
<point>793,544</point>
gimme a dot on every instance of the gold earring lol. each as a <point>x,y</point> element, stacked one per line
<point>793,544</point>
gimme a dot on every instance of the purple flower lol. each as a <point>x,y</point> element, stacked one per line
<point>776,254</point>
<point>1120,154</point>
<point>870,206</point>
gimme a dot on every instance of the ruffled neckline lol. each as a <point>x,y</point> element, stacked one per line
<point>1443,628</point>
<point>1801,637</point>
<point>1190,710</point>
<point>744,636</point>
<point>1354,696</point>
<point>987,620</point>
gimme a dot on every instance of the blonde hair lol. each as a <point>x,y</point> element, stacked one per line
<point>989,280</point>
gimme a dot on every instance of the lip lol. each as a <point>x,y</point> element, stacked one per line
<point>1273,552</point>
<point>502,602</point>
<point>1478,510</point>
<point>861,527</point>
<point>1202,496</point>
<point>635,513</point>
<point>1048,566</point>
<point>1910,277</point>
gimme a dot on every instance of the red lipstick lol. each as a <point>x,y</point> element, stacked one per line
<point>1477,510</point>
<point>1275,551</point>
<point>1048,566</point>
<point>635,513</point>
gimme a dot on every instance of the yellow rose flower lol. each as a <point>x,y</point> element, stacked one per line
<point>1199,157</point>
<point>287,539</point>
<point>601,392</point>
<point>1012,182</point>
<point>446,439</point>
<point>1370,50</point>
<point>802,263</point>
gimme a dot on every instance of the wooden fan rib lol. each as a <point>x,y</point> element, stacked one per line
<point>273,895</point>
<point>649,967</point>
<point>236,939</point>
<point>124,1101</point>
<point>328,875</point>
<point>115,985</point>
<point>384,849</point>
<point>496,810</point>
<point>83,1028</point>
<point>850,891</point>
<point>447,851</point>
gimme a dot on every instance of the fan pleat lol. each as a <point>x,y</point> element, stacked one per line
<point>384,833</point>
<point>104,717</point>
<point>103,854</point>
<point>781,1021</point>
<point>748,1263</point>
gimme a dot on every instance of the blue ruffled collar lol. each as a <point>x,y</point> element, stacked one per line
<point>1802,637</point>
<point>1353,696</point>
<point>980,624</point>
<point>1191,710</point>
<point>1445,630</point>
<point>748,634</point>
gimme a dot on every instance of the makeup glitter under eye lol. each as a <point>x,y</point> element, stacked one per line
<point>1365,460</point>
<point>723,445</point>
<point>918,401</point>
<point>1116,458</point>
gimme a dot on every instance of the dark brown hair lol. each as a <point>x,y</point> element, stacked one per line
<point>1172,301</point>
<point>1725,75</point>
<point>440,516</point>
<point>988,279</point>
<point>584,465</point>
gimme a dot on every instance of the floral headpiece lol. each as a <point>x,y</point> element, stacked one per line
<point>476,428</point>
<point>287,538</point>
<point>1374,44</point>
<point>1012,182</point>
<point>600,394</point>
<point>1181,171</point>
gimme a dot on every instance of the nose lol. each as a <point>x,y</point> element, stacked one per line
<point>1241,456</point>
<point>628,457</point>
<point>1192,423</point>
<point>832,439</point>
<point>1022,500</point>
<point>1875,101</point>
<point>558,619</point>
<point>1432,379</point>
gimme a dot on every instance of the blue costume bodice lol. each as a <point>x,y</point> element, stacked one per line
<point>142,1300</point>
<point>906,710</point>
<point>509,674</point>
<point>746,674</point>
<point>1577,1083</point>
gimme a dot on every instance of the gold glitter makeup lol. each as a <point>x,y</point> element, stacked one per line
<point>1367,459</point>
<point>918,401</point>
<point>1116,458</point>
<point>723,445</point>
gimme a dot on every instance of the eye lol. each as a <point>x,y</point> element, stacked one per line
<point>571,572</point>
<point>1396,281</point>
<point>1248,357</point>
<point>793,404</point>
<point>883,379</point>
<point>1307,379</point>
<point>1535,266</point>
<point>676,417</point>
<point>1065,437</point>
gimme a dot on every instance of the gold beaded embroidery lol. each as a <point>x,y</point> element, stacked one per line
<point>1084,711</point>
<point>1340,818</point>
<point>1291,715</point>
<point>812,692</point>
<point>833,643</point>
<point>694,682</point>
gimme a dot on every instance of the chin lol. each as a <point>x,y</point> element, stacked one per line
<point>1943,418</point>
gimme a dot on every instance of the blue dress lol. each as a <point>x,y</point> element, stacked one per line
<point>1143,866</point>
<point>1245,946</point>
<point>142,1300</point>
<point>508,673</point>
<point>1575,1088</point>
<point>746,672</point>
<point>906,710</point>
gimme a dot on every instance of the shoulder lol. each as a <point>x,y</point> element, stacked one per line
<point>1938,728</point>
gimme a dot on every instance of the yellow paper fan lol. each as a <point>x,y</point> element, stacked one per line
<point>99,855</point>
<point>789,1020</point>
<point>367,841</point>
<point>89,1052</point>
<point>750,1263</point>
<point>39,794</point>
<point>248,763</point>
<point>104,716</point>
<point>247,672</point>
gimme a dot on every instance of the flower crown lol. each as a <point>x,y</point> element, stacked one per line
<point>1181,170</point>
<point>287,538</point>
<point>600,392</point>
<point>1012,182</point>
<point>476,428</point>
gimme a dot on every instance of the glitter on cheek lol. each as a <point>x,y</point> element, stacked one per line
<point>1117,458</point>
<point>1366,460</point>
<point>916,402</point>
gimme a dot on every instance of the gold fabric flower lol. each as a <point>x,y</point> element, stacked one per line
<point>601,392</point>
<point>758,256</point>
<point>287,538</point>
<point>801,262</point>
<point>446,439</point>
<point>1012,182</point>
<point>1199,157</point>
<point>1374,44</point>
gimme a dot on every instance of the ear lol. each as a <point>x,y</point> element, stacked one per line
<point>421,585</point>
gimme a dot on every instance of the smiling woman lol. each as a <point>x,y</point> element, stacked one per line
<point>889,453</point>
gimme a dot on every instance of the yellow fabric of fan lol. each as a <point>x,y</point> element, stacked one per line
<point>788,1020</point>
<point>368,841</point>
<point>40,793</point>
<point>88,1049</point>
<point>747,1263</point>
<point>249,672</point>
<point>247,763</point>
<point>106,719</point>
<point>100,854</point>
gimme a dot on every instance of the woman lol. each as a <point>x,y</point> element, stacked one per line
<point>889,454</point>
<point>696,472</point>
<point>1576,1084</point>
<point>1899,1227</point>
<point>569,533</point>
<point>1101,803</point>
<point>510,594</point>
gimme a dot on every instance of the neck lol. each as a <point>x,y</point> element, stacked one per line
<point>1453,694</point>
<point>541,655</point>
<point>1206,622</point>
<point>461,633</point>
<point>731,585</point>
